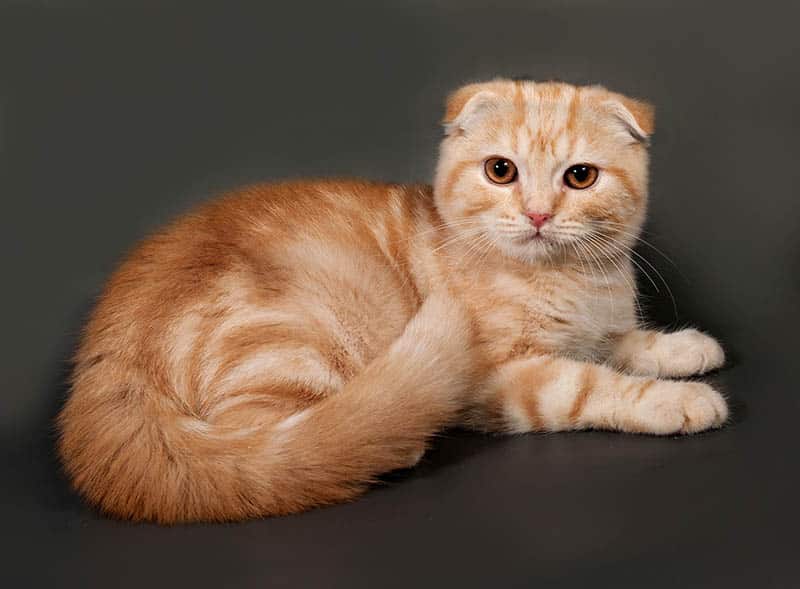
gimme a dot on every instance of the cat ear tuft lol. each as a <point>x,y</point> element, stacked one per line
<point>637,116</point>
<point>465,105</point>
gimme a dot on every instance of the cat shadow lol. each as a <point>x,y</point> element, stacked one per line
<point>37,455</point>
<point>447,449</point>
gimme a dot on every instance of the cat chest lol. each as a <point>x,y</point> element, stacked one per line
<point>563,317</point>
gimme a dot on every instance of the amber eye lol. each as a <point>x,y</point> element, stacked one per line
<point>500,170</point>
<point>580,176</point>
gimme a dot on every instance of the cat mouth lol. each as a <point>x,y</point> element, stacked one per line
<point>549,238</point>
<point>534,236</point>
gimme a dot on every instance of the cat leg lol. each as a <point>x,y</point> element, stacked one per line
<point>546,393</point>
<point>654,353</point>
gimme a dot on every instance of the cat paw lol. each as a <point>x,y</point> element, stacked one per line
<point>679,354</point>
<point>679,407</point>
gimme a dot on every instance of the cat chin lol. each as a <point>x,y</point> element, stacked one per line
<point>531,251</point>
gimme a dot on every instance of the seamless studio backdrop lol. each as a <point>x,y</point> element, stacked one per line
<point>117,116</point>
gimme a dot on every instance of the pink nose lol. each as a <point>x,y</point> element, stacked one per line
<point>538,219</point>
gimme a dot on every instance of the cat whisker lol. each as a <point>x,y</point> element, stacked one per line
<point>620,228</point>
<point>600,267</point>
<point>463,235</point>
<point>580,258</point>
<point>458,223</point>
<point>621,247</point>
<point>611,240</point>
<point>476,246</point>
<point>612,253</point>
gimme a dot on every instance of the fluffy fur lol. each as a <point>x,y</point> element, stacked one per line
<point>280,347</point>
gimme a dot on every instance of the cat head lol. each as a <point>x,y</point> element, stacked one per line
<point>535,168</point>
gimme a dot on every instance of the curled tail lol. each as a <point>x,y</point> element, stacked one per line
<point>134,458</point>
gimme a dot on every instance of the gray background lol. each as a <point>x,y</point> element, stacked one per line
<point>117,116</point>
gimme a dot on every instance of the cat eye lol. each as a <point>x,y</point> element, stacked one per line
<point>580,176</point>
<point>500,170</point>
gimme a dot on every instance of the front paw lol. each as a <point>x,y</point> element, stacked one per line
<point>669,407</point>
<point>679,354</point>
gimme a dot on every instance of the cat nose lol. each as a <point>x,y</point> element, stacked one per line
<point>538,219</point>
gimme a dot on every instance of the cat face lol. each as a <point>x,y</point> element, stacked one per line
<point>532,169</point>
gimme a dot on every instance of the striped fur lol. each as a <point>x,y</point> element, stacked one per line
<point>282,346</point>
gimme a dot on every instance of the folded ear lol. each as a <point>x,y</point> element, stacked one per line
<point>465,105</point>
<point>637,116</point>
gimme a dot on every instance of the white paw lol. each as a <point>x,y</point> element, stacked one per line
<point>688,352</point>
<point>678,407</point>
<point>682,353</point>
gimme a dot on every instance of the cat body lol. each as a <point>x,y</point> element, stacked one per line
<point>280,347</point>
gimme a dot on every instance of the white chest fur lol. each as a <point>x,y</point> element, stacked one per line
<point>554,311</point>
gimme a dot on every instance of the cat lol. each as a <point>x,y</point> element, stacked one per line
<point>282,346</point>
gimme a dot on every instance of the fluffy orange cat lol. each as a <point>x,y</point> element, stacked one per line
<point>280,347</point>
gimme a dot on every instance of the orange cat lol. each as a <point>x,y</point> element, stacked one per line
<point>280,347</point>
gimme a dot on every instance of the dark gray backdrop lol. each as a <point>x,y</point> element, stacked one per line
<point>116,116</point>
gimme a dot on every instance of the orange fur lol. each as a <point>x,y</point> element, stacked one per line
<point>279,348</point>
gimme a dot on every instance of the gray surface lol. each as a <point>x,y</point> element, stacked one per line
<point>115,116</point>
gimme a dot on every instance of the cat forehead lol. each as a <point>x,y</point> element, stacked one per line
<point>508,95</point>
<point>545,105</point>
<point>538,103</point>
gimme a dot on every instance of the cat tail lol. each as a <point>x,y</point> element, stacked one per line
<point>136,466</point>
